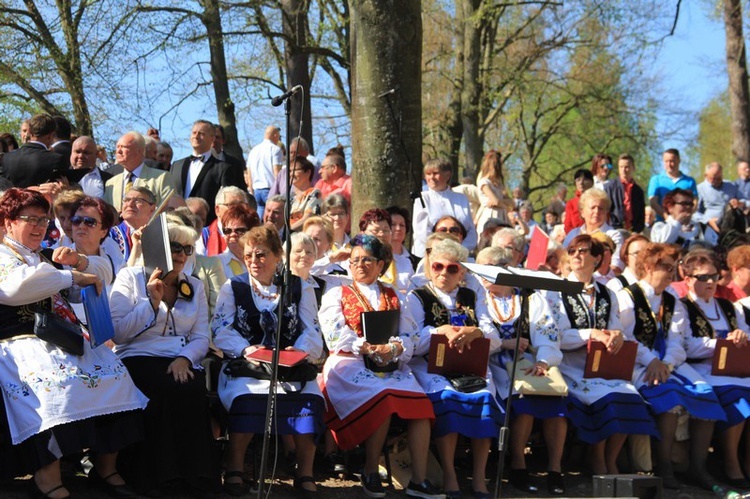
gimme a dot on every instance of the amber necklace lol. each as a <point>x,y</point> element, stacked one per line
<point>502,318</point>
<point>261,294</point>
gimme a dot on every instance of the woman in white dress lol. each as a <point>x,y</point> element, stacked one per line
<point>602,411</point>
<point>711,318</point>
<point>246,318</point>
<point>361,401</point>
<point>670,385</point>
<point>442,307</point>
<point>161,335</point>
<point>530,316</point>
<point>629,252</point>
<point>55,403</point>
<point>493,196</point>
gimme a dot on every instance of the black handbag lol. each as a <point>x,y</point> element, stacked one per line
<point>51,328</point>
<point>242,368</point>
<point>467,383</point>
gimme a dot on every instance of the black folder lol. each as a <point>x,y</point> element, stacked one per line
<point>379,326</point>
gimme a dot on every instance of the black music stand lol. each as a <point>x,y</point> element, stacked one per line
<point>527,281</point>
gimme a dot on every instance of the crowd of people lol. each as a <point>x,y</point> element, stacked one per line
<point>665,268</point>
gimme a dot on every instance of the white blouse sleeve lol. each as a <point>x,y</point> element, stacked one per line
<point>130,306</point>
<point>198,336</point>
<point>422,334</point>
<point>21,284</point>
<point>311,340</point>
<point>545,336</point>
<point>336,333</point>
<point>226,338</point>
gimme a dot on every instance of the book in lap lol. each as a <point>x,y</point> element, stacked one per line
<point>448,361</point>
<point>602,364</point>
<point>287,358</point>
<point>730,360</point>
<point>378,327</point>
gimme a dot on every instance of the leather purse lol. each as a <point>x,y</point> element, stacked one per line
<point>54,329</point>
<point>467,383</point>
<point>551,384</point>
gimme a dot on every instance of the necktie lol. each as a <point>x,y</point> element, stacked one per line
<point>129,182</point>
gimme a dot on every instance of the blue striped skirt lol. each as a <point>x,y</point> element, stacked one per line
<point>736,403</point>
<point>474,415</point>
<point>611,414</point>
<point>699,400</point>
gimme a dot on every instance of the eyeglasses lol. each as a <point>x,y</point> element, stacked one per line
<point>378,232</point>
<point>31,219</point>
<point>136,201</point>
<point>452,230</point>
<point>667,267</point>
<point>451,268</point>
<point>706,277</point>
<point>181,248</point>
<point>608,166</point>
<point>87,221</point>
<point>239,231</point>
<point>365,261</point>
<point>578,251</point>
<point>339,214</point>
<point>258,255</point>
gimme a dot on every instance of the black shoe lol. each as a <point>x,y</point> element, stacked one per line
<point>333,464</point>
<point>235,489</point>
<point>117,491</point>
<point>521,480</point>
<point>555,483</point>
<point>737,483</point>
<point>303,492</point>
<point>372,486</point>
<point>425,490</point>
<point>36,493</point>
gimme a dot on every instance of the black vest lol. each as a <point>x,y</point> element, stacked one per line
<point>578,311</point>
<point>645,329</point>
<point>699,323</point>
<point>247,319</point>
<point>522,324</point>
<point>435,313</point>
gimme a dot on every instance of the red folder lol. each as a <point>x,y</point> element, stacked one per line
<point>287,358</point>
<point>537,249</point>
<point>445,360</point>
<point>602,364</point>
<point>731,360</point>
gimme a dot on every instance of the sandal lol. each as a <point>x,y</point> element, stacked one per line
<point>300,481</point>
<point>235,489</point>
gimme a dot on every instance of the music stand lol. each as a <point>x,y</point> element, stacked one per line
<point>527,281</point>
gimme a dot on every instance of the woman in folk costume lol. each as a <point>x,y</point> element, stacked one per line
<point>443,307</point>
<point>670,385</point>
<point>602,411</point>
<point>246,318</point>
<point>361,401</point>
<point>540,343</point>
<point>711,318</point>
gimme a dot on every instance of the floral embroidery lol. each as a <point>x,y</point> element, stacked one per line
<point>62,377</point>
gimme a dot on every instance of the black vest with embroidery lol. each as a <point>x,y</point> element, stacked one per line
<point>522,324</point>
<point>578,311</point>
<point>645,328</point>
<point>435,313</point>
<point>18,320</point>
<point>699,323</point>
<point>247,316</point>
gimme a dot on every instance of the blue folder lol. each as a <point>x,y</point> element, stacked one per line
<point>98,317</point>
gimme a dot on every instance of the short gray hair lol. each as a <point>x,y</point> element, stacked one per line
<point>182,234</point>
<point>518,241</point>
<point>302,238</point>
<point>230,189</point>
<point>495,255</point>
<point>450,249</point>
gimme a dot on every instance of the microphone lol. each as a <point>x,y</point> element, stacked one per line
<point>389,92</point>
<point>279,99</point>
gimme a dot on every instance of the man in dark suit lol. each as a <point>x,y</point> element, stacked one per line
<point>61,143</point>
<point>628,209</point>
<point>33,163</point>
<point>237,164</point>
<point>202,175</point>
<point>83,170</point>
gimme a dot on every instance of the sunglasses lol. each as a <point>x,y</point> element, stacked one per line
<point>181,248</point>
<point>451,268</point>
<point>87,221</point>
<point>452,230</point>
<point>240,231</point>
<point>578,251</point>
<point>706,277</point>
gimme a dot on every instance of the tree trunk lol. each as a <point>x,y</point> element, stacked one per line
<point>472,86</point>
<point>738,84</point>
<point>453,123</point>
<point>386,44</point>
<point>211,19</point>
<point>297,65</point>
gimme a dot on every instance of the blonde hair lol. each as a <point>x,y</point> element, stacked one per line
<point>450,249</point>
<point>325,223</point>
<point>182,234</point>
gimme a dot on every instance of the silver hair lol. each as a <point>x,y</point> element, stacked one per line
<point>230,189</point>
<point>495,255</point>
<point>182,234</point>
<point>518,241</point>
<point>450,249</point>
<point>302,238</point>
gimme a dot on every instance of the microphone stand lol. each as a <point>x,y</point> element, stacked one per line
<point>284,298</point>
<point>502,444</point>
